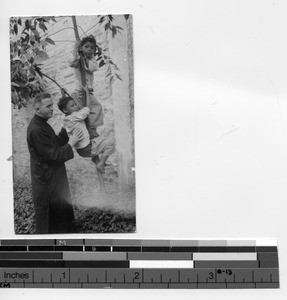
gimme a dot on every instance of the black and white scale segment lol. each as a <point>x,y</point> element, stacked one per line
<point>123,263</point>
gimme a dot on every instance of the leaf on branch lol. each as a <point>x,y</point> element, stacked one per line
<point>43,55</point>
<point>37,38</point>
<point>32,39</point>
<point>38,70</point>
<point>43,26</point>
<point>15,29</point>
<point>118,27</point>
<point>114,31</point>
<point>27,24</point>
<point>126,16</point>
<point>107,26</point>
<point>20,22</point>
<point>35,31</point>
<point>27,37</point>
<point>111,17</point>
<point>50,41</point>
<point>32,72</point>
<point>102,63</point>
<point>102,19</point>
<point>119,77</point>
<point>15,84</point>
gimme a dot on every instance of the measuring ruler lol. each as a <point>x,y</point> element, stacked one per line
<point>123,263</point>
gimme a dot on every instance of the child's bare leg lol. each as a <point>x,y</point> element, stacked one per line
<point>101,164</point>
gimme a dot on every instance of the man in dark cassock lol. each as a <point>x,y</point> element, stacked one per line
<point>48,154</point>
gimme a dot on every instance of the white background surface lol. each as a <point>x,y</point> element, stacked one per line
<point>211,126</point>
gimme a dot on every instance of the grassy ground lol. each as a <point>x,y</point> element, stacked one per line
<point>88,219</point>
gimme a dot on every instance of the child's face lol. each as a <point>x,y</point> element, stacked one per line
<point>71,107</point>
<point>88,49</point>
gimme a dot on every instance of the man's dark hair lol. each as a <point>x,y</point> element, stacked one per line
<point>62,104</point>
<point>90,39</point>
<point>38,98</point>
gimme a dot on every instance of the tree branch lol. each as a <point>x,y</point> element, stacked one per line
<point>56,83</point>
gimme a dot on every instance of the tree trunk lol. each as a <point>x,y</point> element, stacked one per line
<point>124,114</point>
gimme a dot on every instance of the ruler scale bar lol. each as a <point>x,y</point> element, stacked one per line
<point>123,263</point>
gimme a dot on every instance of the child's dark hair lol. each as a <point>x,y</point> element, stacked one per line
<point>87,39</point>
<point>62,104</point>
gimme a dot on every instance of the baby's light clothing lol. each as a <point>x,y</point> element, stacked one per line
<point>77,120</point>
<point>86,147</point>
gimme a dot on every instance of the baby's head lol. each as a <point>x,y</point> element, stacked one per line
<point>88,46</point>
<point>67,105</point>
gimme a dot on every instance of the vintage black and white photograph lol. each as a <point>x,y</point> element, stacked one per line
<point>73,124</point>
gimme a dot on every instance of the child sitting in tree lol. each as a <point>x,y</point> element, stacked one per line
<point>86,48</point>
<point>75,118</point>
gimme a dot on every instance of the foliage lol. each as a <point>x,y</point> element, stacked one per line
<point>27,49</point>
<point>113,71</point>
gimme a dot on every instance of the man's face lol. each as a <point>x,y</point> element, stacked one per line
<point>45,108</point>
